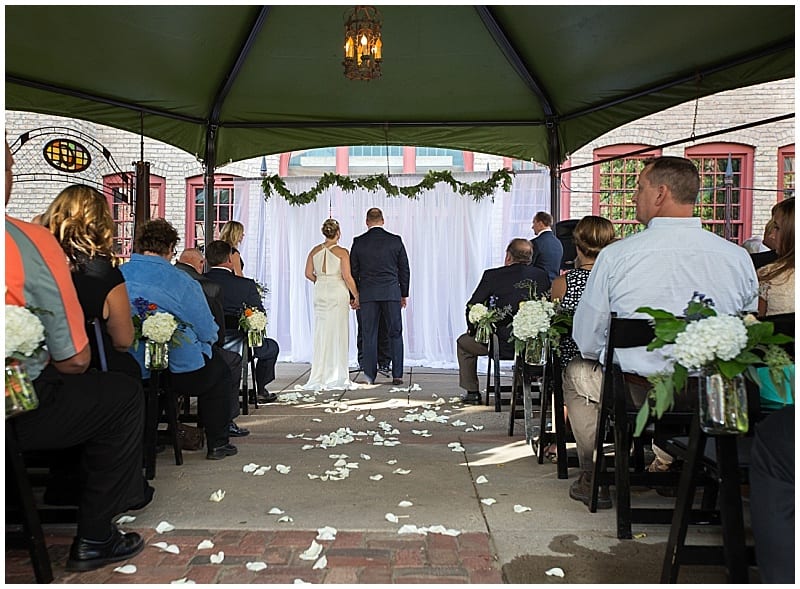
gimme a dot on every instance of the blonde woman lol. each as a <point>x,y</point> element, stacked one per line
<point>80,219</point>
<point>233,233</point>
<point>776,280</point>
<point>328,267</point>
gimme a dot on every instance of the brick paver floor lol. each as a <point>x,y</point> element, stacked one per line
<point>352,557</point>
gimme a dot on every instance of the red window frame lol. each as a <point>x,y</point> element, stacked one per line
<point>614,183</point>
<point>123,212</point>
<point>223,212</point>
<point>711,160</point>
<point>786,172</point>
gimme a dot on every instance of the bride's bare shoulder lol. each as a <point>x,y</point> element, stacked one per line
<point>340,251</point>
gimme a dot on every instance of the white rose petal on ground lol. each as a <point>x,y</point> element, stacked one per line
<point>489,501</point>
<point>171,548</point>
<point>392,461</point>
<point>307,447</point>
<point>555,572</point>
<point>312,552</point>
<point>326,533</point>
<point>205,544</point>
<point>481,479</point>
<point>276,511</point>
<point>411,529</point>
<point>458,449</point>
<point>256,566</point>
<point>321,563</point>
<point>458,423</point>
<point>313,476</point>
<point>366,457</point>
<point>217,496</point>
<point>405,504</point>
<point>128,569</point>
<point>217,558</point>
<point>390,517</point>
<point>250,467</point>
<point>451,532</point>
<point>521,509</point>
<point>182,581</point>
<point>376,477</point>
<point>400,471</point>
<point>477,427</point>
<point>283,469</point>
<point>300,582</point>
<point>285,519</point>
<point>126,519</point>
<point>164,527</point>
<point>317,419</point>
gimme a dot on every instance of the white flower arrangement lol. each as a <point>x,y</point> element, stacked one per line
<point>532,319</point>
<point>716,337</point>
<point>159,327</point>
<point>24,332</point>
<point>253,320</point>
<point>477,312</point>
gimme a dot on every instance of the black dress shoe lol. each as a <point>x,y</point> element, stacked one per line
<point>221,452</point>
<point>235,431</point>
<point>88,555</point>
<point>472,398</point>
<point>263,398</point>
<point>397,381</point>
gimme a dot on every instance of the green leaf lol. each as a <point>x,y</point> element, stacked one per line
<point>656,313</point>
<point>730,368</point>
<point>641,418</point>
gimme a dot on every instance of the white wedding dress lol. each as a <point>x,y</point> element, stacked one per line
<point>329,368</point>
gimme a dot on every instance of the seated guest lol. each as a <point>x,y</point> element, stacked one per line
<point>194,367</point>
<point>238,291</point>
<point>232,233</point>
<point>590,235</point>
<point>193,263</point>
<point>102,412</point>
<point>503,286</point>
<point>547,248</point>
<point>81,221</point>
<point>776,280</point>
<point>762,258</point>
<point>660,267</point>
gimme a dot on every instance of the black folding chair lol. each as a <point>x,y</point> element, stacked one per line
<point>494,386</point>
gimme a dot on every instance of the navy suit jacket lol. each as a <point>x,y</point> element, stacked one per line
<point>379,265</point>
<point>213,292</point>
<point>502,283</point>
<point>547,253</point>
<point>237,291</point>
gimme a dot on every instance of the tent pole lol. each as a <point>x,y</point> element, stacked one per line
<point>555,171</point>
<point>208,185</point>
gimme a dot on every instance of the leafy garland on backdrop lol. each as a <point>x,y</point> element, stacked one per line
<point>477,190</point>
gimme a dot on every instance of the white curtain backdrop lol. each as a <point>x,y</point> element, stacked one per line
<point>450,240</point>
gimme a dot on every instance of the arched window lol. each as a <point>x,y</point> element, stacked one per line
<point>122,211</point>
<point>614,183</point>
<point>224,199</point>
<point>786,172</point>
<point>725,202</point>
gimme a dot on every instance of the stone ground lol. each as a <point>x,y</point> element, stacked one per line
<point>467,541</point>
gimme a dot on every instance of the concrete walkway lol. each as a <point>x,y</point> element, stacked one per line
<point>432,453</point>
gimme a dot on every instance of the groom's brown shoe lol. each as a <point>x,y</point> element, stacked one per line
<point>397,381</point>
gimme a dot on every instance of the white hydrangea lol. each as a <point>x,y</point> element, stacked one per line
<point>24,331</point>
<point>159,327</point>
<point>477,312</point>
<point>257,321</point>
<point>532,319</point>
<point>719,337</point>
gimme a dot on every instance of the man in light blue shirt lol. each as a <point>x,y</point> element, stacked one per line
<point>660,267</point>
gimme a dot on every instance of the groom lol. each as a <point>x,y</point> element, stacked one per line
<point>379,265</point>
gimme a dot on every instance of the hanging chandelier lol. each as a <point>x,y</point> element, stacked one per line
<point>362,44</point>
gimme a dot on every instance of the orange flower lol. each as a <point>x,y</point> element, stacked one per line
<point>248,312</point>
<point>152,307</point>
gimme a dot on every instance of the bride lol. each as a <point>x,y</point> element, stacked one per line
<point>328,267</point>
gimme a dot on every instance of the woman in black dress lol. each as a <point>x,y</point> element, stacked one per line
<point>233,233</point>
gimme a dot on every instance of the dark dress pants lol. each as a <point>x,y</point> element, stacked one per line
<point>384,349</point>
<point>371,312</point>
<point>104,413</point>
<point>212,385</point>
<point>234,363</point>
<point>266,357</point>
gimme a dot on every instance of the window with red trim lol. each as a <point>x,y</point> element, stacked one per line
<point>615,182</point>
<point>726,178</point>
<point>117,193</point>
<point>224,199</point>
<point>786,172</point>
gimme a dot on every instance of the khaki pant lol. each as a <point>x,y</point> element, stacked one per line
<point>467,352</point>
<point>581,383</point>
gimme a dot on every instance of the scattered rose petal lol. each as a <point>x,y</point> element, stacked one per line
<point>481,479</point>
<point>477,427</point>
<point>217,496</point>
<point>262,470</point>
<point>313,476</point>
<point>256,566</point>
<point>326,533</point>
<point>285,519</point>
<point>376,477</point>
<point>312,552</point>
<point>182,581</point>
<point>392,461</point>
<point>307,447</point>
<point>365,457</point>
<point>171,548</point>
<point>164,527</point>
<point>283,469</point>
<point>411,529</point>
<point>390,517</point>
<point>317,419</point>
<point>205,544</point>
<point>300,582</point>
<point>489,501</point>
<point>250,467</point>
<point>400,471</point>
<point>321,563</point>
<point>521,509</point>
<point>369,418</point>
<point>555,572</point>
<point>126,519</point>
<point>458,449</point>
<point>217,558</point>
<point>128,569</point>
<point>276,511</point>
<point>405,504</point>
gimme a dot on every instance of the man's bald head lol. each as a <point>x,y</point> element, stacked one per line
<point>194,258</point>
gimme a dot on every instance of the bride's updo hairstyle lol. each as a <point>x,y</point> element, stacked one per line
<point>330,228</point>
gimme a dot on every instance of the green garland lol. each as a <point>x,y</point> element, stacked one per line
<point>476,190</point>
